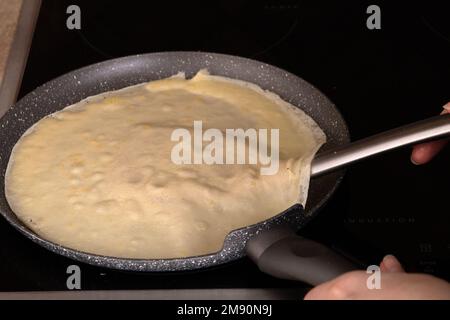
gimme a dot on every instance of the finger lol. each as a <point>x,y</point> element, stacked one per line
<point>447,106</point>
<point>391,264</point>
<point>424,152</point>
<point>394,286</point>
<point>340,288</point>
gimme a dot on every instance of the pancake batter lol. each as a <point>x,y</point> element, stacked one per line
<point>98,176</point>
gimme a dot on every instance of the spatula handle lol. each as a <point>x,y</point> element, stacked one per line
<point>283,254</point>
<point>428,129</point>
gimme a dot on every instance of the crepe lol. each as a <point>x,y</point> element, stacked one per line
<point>98,176</point>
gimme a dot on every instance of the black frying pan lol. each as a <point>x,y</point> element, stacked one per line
<point>273,244</point>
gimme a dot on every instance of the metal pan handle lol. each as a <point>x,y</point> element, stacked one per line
<point>282,254</point>
<point>428,129</point>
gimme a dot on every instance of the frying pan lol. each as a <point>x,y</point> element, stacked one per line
<point>272,244</point>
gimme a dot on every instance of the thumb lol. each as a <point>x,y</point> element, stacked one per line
<point>391,264</point>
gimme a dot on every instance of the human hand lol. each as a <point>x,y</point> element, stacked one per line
<point>396,284</point>
<point>424,152</point>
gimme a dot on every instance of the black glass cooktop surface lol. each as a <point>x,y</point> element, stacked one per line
<point>379,79</point>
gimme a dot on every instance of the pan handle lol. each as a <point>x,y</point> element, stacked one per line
<point>281,253</point>
<point>431,128</point>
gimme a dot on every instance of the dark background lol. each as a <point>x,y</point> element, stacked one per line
<point>379,79</point>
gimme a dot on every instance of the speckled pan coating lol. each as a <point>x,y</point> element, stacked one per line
<point>119,73</point>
